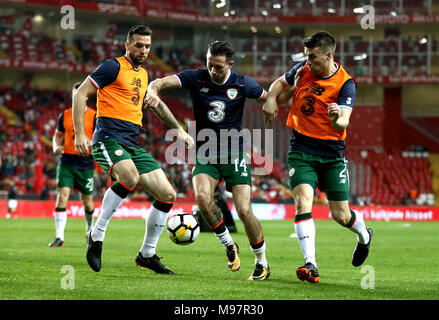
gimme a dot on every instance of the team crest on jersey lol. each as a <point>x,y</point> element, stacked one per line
<point>232,93</point>
<point>118,152</point>
<point>291,173</point>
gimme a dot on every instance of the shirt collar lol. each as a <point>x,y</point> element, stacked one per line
<point>225,80</point>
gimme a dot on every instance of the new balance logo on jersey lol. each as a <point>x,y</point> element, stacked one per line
<point>315,89</point>
<point>204,90</point>
<point>136,82</point>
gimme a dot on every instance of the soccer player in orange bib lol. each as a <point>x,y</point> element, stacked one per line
<point>323,95</point>
<point>73,171</point>
<point>121,85</point>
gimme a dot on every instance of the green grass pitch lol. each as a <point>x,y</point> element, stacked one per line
<point>403,264</point>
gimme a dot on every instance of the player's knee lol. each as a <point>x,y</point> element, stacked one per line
<point>130,180</point>
<point>340,212</point>
<point>303,203</point>
<point>88,206</point>
<point>244,212</point>
<point>169,196</point>
<point>341,217</point>
<point>61,199</point>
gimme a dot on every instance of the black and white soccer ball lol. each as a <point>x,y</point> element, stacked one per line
<point>183,228</point>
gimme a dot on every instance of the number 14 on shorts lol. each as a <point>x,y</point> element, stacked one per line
<point>242,164</point>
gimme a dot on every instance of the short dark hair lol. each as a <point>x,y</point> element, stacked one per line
<point>138,29</point>
<point>221,48</point>
<point>324,40</point>
<point>77,85</point>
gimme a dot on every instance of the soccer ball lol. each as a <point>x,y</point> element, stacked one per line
<point>183,228</point>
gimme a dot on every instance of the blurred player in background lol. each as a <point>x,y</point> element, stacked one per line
<point>323,96</point>
<point>12,202</point>
<point>73,171</point>
<point>121,85</point>
<point>218,97</point>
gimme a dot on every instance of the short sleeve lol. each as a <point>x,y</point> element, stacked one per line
<point>346,96</point>
<point>60,124</point>
<point>187,78</point>
<point>289,76</point>
<point>150,78</point>
<point>252,89</point>
<point>105,73</point>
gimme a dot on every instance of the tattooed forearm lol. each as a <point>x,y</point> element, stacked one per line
<point>163,112</point>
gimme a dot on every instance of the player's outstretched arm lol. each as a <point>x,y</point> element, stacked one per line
<point>271,105</point>
<point>280,92</point>
<point>288,90</point>
<point>82,143</point>
<point>57,144</point>
<point>162,111</point>
<point>285,95</point>
<point>152,98</point>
